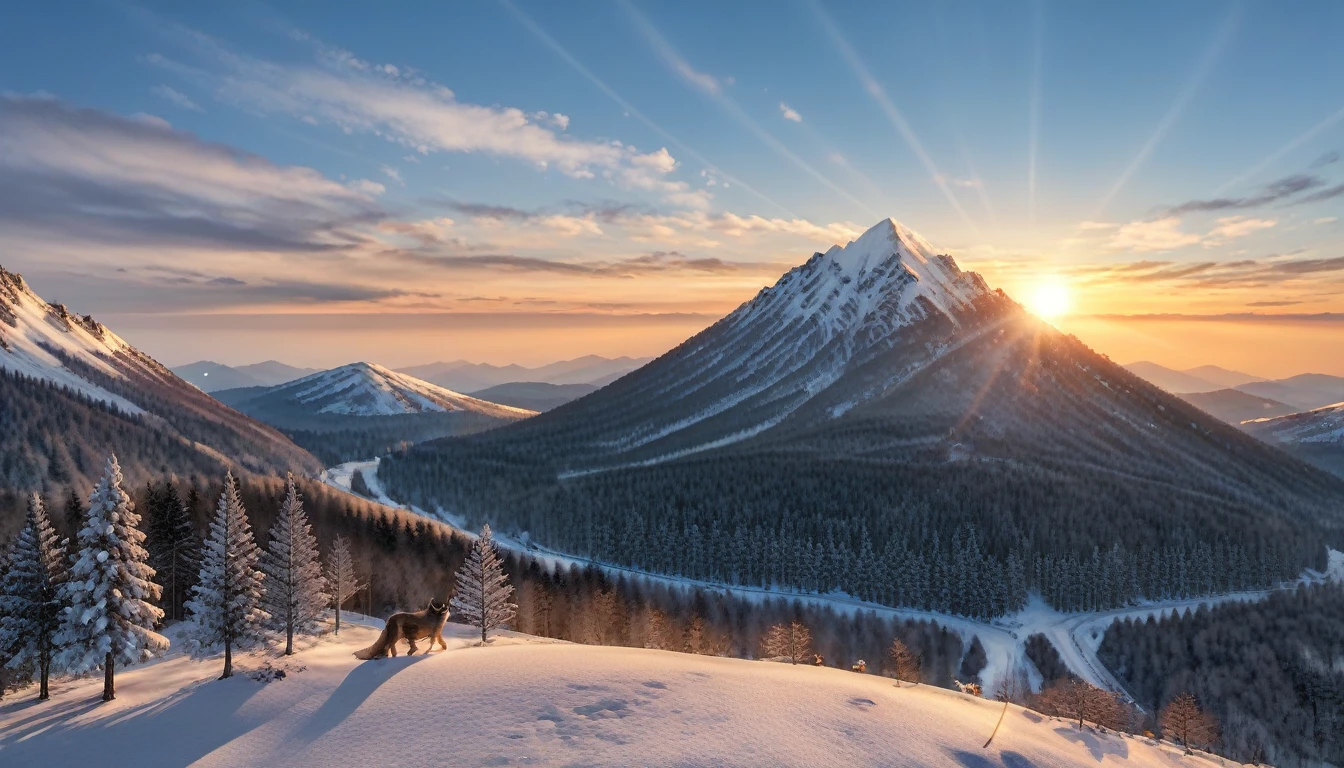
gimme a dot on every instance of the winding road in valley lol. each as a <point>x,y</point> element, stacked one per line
<point>1075,635</point>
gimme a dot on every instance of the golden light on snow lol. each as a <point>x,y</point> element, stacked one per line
<point>1050,300</point>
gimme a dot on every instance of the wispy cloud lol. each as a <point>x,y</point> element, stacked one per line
<point>1274,192</point>
<point>789,113</point>
<point>344,91</point>
<point>532,26</point>
<point>176,97</point>
<point>1233,317</point>
<point>69,174</point>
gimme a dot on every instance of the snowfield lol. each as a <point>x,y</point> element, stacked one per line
<point>530,701</point>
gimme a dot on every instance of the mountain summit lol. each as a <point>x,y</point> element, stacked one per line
<point>73,391</point>
<point>888,289</point>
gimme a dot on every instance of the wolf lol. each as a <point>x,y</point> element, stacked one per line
<point>409,627</point>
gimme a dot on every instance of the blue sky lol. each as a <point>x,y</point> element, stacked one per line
<point>597,166</point>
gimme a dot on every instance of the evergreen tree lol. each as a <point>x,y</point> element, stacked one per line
<point>341,576</point>
<point>791,642</point>
<point>30,599</point>
<point>74,520</point>
<point>225,608</point>
<point>905,664</point>
<point>10,678</point>
<point>295,589</point>
<point>483,591</point>
<point>174,549</point>
<point>109,615</point>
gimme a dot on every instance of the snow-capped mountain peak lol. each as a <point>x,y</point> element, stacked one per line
<point>888,289</point>
<point>862,292</point>
<point>35,337</point>
<point>368,389</point>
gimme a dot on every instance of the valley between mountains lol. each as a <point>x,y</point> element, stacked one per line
<point>879,442</point>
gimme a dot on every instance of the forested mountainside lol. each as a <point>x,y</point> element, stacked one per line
<point>72,391</point>
<point>406,559</point>
<point>905,435</point>
<point>1272,672</point>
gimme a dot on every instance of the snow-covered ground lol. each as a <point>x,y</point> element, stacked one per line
<point>1076,635</point>
<point>528,701</point>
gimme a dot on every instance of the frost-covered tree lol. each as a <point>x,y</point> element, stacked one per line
<point>174,548</point>
<point>483,591</point>
<point>1183,721</point>
<point>790,642</point>
<point>225,607</point>
<point>905,664</point>
<point>109,614</point>
<point>295,589</point>
<point>341,578</point>
<point>10,679</point>
<point>30,596</point>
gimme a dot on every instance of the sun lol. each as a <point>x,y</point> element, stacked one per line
<point>1050,300</point>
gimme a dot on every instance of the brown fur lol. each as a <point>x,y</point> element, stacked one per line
<point>409,627</point>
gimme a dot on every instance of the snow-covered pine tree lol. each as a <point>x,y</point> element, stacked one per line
<point>341,576</point>
<point>295,589</point>
<point>109,616</point>
<point>10,679</point>
<point>483,591</point>
<point>174,548</point>
<point>225,608</point>
<point>30,596</point>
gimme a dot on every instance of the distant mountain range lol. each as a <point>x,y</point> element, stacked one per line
<point>535,396</point>
<point>211,376</point>
<point>1302,392</point>
<point>876,412</point>
<point>462,376</point>
<point>72,392</point>
<point>361,410</point>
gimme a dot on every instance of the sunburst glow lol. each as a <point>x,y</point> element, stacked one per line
<point>1051,300</point>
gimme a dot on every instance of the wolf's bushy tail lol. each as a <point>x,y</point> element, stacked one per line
<point>380,648</point>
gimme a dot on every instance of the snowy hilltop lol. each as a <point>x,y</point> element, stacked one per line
<point>529,701</point>
<point>367,389</point>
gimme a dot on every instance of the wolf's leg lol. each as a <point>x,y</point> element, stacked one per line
<point>411,640</point>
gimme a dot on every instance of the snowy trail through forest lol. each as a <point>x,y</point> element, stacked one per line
<point>1076,636</point>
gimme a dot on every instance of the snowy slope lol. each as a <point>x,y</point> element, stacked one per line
<point>155,410</point>
<point>1322,425</point>
<point>34,333</point>
<point>366,389</point>
<point>525,701</point>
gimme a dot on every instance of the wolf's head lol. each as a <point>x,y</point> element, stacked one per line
<point>436,607</point>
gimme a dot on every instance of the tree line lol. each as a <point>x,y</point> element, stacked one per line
<point>1271,671</point>
<point>179,548</point>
